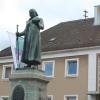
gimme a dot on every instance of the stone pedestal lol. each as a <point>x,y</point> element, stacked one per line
<point>28,85</point>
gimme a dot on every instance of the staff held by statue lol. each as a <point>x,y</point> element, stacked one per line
<point>17,44</point>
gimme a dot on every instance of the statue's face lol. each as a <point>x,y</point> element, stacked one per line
<point>31,13</point>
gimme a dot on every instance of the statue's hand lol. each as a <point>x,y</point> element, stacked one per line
<point>17,34</point>
<point>35,21</point>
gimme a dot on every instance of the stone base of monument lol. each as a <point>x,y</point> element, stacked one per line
<point>28,84</point>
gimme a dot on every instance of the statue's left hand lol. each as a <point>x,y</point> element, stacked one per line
<point>35,21</point>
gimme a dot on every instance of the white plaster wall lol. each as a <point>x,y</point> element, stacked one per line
<point>92,72</point>
<point>97,15</point>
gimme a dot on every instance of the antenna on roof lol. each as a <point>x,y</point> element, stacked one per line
<point>85,15</point>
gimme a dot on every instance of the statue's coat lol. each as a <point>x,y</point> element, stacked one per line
<point>32,42</point>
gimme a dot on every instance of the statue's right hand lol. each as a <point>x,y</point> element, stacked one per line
<point>17,34</point>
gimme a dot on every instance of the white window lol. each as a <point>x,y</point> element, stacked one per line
<point>6,72</point>
<point>48,67</point>
<point>50,97</point>
<point>71,97</point>
<point>4,97</point>
<point>71,67</point>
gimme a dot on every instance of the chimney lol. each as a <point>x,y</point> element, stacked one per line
<point>97,15</point>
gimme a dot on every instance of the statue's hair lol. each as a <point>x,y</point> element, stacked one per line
<point>35,12</point>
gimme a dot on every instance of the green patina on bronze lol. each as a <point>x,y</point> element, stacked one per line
<point>32,39</point>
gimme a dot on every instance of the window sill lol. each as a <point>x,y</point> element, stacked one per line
<point>71,76</point>
<point>49,77</point>
<point>5,79</point>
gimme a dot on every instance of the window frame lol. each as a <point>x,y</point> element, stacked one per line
<point>4,70</point>
<point>65,96</point>
<point>50,96</point>
<point>66,67</point>
<point>43,67</point>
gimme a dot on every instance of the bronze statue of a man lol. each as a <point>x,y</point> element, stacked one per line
<point>31,54</point>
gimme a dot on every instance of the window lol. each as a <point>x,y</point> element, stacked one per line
<point>70,97</point>
<point>71,67</point>
<point>48,67</point>
<point>6,71</point>
<point>50,97</point>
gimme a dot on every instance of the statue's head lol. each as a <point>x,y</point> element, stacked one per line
<point>33,13</point>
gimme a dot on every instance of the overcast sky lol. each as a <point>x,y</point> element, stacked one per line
<point>13,12</point>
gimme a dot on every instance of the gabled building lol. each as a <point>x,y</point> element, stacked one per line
<point>70,59</point>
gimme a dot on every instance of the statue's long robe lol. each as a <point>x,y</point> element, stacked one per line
<point>32,43</point>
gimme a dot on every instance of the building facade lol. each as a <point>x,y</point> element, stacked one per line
<point>70,59</point>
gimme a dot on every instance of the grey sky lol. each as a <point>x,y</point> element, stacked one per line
<point>14,12</point>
